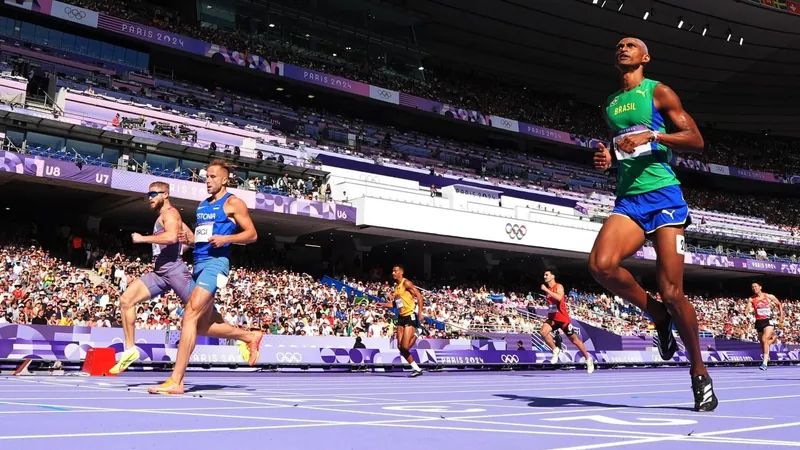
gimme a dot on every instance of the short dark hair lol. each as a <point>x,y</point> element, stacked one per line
<point>400,266</point>
<point>227,165</point>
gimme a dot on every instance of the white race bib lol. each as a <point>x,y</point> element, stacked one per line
<point>642,150</point>
<point>203,232</point>
<point>398,302</point>
<point>553,308</point>
<point>156,250</point>
<point>764,312</point>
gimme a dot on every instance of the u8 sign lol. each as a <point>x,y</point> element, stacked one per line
<point>63,170</point>
<point>52,168</point>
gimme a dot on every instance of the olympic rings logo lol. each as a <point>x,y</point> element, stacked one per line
<point>75,13</point>
<point>516,231</point>
<point>509,359</point>
<point>385,94</point>
<point>506,123</point>
<point>369,179</point>
<point>289,357</point>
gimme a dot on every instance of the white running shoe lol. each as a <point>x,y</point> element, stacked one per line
<point>556,354</point>
<point>589,365</point>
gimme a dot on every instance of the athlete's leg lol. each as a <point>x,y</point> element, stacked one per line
<point>411,339</point>
<point>619,238</point>
<point>213,325</point>
<point>546,332</point>
<point>768,337</point>
<point>142,289</point>
<point>579,343</point>
<point>198,305</point>
<point>136,293</point>
<point>669,265</point>
<point>180,280</point>
<point>405,339</point>
<point>402,343</point>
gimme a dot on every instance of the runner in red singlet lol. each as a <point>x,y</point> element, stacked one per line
<point>761,304</point>
<point>558,318</point>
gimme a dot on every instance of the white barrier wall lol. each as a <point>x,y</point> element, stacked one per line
<point>545,230</point>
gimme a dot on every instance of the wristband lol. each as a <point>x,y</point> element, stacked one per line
<point>655,136</point>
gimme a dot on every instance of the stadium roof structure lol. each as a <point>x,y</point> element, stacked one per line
<point>741,73</point>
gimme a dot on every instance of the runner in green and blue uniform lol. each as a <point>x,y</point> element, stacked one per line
<point>650,203</point>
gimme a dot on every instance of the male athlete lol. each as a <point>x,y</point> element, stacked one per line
<point>558,319</point>
<point>217,219</point>
<point>404,295</point>
<point>761,303</point>
<point>650,203</point>
<point>170,272</point>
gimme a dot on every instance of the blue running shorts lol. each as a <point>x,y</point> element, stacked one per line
<point>653,210</point>
<point>211,274</point>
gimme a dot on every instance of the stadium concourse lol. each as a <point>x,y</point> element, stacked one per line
<point>452,137</point>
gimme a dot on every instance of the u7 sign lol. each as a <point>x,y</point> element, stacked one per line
<point>52,168</point>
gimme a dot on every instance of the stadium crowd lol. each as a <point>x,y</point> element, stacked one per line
<point>38,288</point>
<point>468,90</point>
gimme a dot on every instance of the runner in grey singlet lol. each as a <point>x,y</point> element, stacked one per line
<point>170,271</point>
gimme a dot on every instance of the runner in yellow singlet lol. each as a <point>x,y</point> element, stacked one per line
<point>404,298</point>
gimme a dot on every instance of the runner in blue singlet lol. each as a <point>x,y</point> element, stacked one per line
<point>217,220</point>
<point>170,272</point>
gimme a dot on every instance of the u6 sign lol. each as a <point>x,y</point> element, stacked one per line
<point>52,168</point>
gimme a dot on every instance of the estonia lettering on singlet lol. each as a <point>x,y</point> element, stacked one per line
<point>212,221</point>
<point>648,167</point>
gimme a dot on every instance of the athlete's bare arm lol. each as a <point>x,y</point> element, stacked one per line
<point>186,237</point>
<point>388,304</point>
<point>384,304</point>
<point>237,210</point>
<point>688,137</point>
<point>557,294</point>
<point>417,295</point>
<point>172,223</point>
<point>775,300</point>
<point>603,159</point>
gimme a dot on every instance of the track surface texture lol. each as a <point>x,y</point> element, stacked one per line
<point>562,409</point>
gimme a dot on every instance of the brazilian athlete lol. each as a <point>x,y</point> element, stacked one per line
<point>650,203</point>
<point>404,296</point>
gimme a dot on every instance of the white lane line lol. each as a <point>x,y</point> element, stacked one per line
<point>694,414</point>
<point>155,432</point>
<point>696,436</point>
